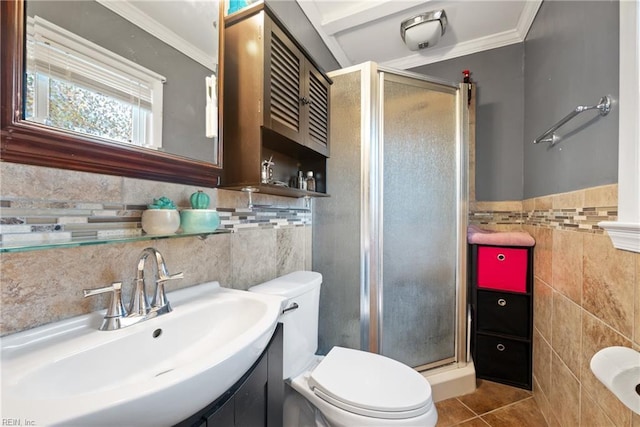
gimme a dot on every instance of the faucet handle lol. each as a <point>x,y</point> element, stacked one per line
<point>160,303</point>
<point>171,277</point>
<point>116,308</point>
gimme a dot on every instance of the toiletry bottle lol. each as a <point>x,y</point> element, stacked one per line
<point>266,174</point>
<point>311,181</point>
<point>302,183</point>
<point>467,79</point>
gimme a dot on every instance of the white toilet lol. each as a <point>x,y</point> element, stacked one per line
<point>346,387</point>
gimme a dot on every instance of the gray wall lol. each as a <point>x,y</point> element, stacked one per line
<point>569,63</point>
<point>499,75</point>
<point>292,16</point>
<point>524,89</point>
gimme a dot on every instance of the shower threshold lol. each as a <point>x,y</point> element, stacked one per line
<point>451,380</point>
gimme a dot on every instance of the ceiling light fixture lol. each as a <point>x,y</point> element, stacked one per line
<point>424,30</point>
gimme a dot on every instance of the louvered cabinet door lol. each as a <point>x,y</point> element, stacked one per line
<point>317,111</point>
<point>283,106</point>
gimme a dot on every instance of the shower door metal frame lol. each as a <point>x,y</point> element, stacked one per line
<point>372,220</point>
<point>370,299</point>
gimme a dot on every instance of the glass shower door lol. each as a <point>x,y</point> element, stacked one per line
<point>419,245</point>
<point>390,241</point>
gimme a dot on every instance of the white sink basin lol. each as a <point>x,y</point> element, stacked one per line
<point>155,373</point>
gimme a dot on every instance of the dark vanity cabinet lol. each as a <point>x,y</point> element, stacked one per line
<point>276,106</point>
<point>501,297</point>
<point>255,400</point>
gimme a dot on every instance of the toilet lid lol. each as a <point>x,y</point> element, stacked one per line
<point>370,384</point>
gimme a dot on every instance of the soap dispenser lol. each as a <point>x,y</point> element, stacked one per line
<point>311,181</point>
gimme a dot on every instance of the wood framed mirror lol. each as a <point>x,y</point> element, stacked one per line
<point>29,142</point>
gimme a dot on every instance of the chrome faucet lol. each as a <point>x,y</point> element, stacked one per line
<point>159,304</point>
<point>117,316</point>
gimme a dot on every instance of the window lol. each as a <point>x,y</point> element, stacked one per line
<point>75,85</point>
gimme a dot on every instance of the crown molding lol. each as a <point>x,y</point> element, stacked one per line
<point>527,17</point>
<point>461,49</point>
<point>327,31</point>
<point>142,20</point>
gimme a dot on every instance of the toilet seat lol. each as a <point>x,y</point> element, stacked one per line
<point>370,384</point>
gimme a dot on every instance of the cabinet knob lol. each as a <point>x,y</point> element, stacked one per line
<point>501,257</point>
<point>305,101</point>
<point>500,347</point>
<point>502,302</point>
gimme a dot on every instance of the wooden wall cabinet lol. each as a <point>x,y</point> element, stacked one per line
<point>501,295</point>
<point>276,105</point>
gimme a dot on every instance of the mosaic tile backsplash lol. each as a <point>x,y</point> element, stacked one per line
<point>43,222</point>
<point>584,219</point>
<point>542,213</point>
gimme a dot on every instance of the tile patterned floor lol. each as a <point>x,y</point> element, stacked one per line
<point>492,404</point>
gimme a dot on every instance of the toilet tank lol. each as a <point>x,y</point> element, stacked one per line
<point>300,317</point>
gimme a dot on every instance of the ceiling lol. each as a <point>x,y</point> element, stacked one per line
<point>369,30</point>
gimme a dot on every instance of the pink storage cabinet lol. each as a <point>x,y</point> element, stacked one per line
<point>502,268</point>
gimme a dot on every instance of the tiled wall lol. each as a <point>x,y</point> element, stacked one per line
<point>23,222</point>
<point>586,297</point>
<point>43,286</point>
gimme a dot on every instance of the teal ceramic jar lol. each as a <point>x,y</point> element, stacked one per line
<point>199,220</point>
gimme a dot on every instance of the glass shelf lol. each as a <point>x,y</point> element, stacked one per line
<point>274,190</point>
<point>26,246</point>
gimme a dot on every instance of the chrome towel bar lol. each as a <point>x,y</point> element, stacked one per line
<point>604,106</point>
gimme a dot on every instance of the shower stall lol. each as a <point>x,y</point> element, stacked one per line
<point>390,242</point>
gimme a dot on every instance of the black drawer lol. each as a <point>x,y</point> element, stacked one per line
<point>503,313</point>
<point>504,360</point>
